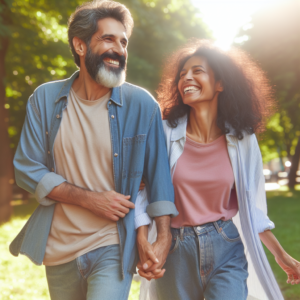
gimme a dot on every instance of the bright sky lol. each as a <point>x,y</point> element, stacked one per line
<point>225,17</point>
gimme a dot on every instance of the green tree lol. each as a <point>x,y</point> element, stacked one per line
<point>38,52</point>
<point>6,171</point>
<point>33,50</point>
<point>274,41</point>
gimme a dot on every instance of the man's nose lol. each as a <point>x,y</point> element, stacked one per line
<point>119,49</point>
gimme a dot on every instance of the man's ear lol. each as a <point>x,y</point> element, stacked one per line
<point>219,86</point>
<point>79,46</point>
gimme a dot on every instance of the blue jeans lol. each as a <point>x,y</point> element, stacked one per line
<point>95,275</point>
<point>206,261</point>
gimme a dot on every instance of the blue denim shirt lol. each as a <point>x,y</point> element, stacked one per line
<point>138,150</point>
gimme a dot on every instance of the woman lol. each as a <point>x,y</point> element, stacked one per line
<point>213,103</point>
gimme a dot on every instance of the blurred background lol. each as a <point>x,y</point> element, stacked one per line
<point>34,50</point>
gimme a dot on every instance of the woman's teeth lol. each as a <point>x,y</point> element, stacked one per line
<point>190,89</point>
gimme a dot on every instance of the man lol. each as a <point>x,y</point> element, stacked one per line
<point>85,145</point>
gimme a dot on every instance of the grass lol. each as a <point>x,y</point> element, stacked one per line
<point>21,280</point>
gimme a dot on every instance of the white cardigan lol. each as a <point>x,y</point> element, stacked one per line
<point>251,219</point>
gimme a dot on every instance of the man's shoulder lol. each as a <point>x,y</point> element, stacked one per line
<point>138,94</point>
<point>51,88</point>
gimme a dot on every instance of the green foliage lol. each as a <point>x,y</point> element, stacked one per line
<point>39,51</point>
<point>274,41</point>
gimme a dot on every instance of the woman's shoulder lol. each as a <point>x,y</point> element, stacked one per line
<point>166,126</point>
<point>249,140</point>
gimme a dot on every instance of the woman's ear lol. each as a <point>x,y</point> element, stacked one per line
<point>219,86</point>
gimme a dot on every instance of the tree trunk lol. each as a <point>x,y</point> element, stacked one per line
<point>294,166</point>
<point>6,167</point>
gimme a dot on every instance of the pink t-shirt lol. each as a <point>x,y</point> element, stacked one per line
<point>204,184</point>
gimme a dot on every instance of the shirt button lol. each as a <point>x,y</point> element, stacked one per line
<point>112,116</point>
<point>46,132</point>
<point>48,152</point>
<point>109,102</point>
<point>57,116</point>
<point>199,228</point>
<point>52,169</point>
<point>116,154</point>
<point>221,229</point>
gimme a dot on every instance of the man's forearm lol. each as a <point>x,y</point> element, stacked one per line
<point>109,204</point>
<point>70,194</point>
<point>163,224</point>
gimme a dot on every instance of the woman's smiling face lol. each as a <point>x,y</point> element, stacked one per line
<point>197,81</point>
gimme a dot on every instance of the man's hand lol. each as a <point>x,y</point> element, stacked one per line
<point>150,268</point>
<point>146,253</point>
<point>161,250</point>
<point>110,205</point>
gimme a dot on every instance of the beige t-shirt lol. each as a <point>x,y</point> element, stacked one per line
<point>83,156</point>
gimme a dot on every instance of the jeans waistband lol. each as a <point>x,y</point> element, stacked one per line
<point>199,229</point>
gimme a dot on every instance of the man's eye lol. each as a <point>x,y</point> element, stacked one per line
<point>198,71</point>
<point>181,75</point>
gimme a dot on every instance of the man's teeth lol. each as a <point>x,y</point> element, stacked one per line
<point>190,89</point>
<point>114,62</point>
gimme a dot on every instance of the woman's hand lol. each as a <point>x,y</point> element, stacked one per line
<point>142,185</point>
<point>147,256</point>
<point>291,267</point>
<point>288,264</point>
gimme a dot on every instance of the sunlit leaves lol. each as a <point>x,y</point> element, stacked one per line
<point>10,93</point>
<point>38,52</point>
<point>274,41</point>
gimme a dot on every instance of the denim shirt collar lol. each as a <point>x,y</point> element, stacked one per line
<point>116,95</point>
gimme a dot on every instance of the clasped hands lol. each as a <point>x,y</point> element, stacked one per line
<point>152,256</point>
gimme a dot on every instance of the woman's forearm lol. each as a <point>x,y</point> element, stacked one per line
<point>270,241</point>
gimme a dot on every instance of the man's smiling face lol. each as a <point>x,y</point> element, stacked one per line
<point>106,55</point>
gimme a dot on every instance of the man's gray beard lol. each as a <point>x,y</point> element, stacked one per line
<point>110,79</point>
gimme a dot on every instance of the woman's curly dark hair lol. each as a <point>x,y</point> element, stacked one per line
<point>247,98</point>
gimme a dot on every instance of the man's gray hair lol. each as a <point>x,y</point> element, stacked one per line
<point>83,23</point>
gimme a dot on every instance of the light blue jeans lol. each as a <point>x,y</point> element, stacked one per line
<point>206,261</point>
<point>95,275</point>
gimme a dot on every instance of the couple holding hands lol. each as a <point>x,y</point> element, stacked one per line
<point>196,225</point>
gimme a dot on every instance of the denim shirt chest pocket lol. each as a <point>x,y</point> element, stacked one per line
<point>133,163</point>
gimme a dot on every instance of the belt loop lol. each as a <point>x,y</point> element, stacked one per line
<point>181,233</point>
<point>217,226</point>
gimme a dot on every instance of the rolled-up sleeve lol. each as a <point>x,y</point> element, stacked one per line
<point>141,217</point>
<point>256,193</point>
<point>46,185</point>
<point>30,161</point>
<point>160,192</point>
